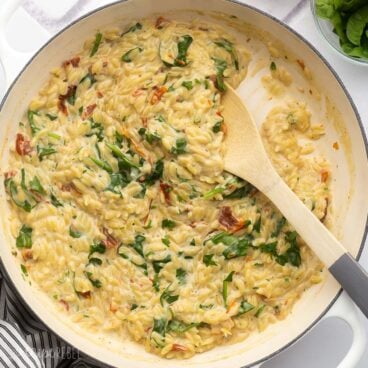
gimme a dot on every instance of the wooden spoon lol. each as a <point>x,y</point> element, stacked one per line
<point>246,157</point>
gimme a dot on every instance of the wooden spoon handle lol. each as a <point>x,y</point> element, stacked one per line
<point>346,270</point>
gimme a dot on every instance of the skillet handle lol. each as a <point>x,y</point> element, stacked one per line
<point>11,60</point>
<point>345,309</point>
<point>353,278</point>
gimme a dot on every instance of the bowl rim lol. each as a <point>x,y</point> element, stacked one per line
<point>301,38</point>
<point>317,20</point>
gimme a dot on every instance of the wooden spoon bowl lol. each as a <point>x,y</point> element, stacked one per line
<point>246,158</point>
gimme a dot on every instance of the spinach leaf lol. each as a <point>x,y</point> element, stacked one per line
<point>217,127</point>
<point>221,66</point>
<point>224,238</point>
<point>97,248</point>
<point>291,255</point>
<point>133,28</point>
<point>158,264</point>
<point>54,201</point>
<point>356,25</point>
<point>270,248</point>
<point>273,66</point>
<point>95,282</point>
<point>45,151</point>
<point>123,161</point>
<point>97,130</point>
<point>181,327</point>
<point>160,326</point>
<point>72,96</point>
<point>240,192</point>
<point>54,135</point>
<point>152,137</point>
<point>279,225</point>
<point>206,306</point>
<point>119,138</point>
<point>208,261</point>
<point>165,240</point>
<point>142,131</point>
<point>167,297</point>
<point>143,266</point>
<point>325,8</point>
<point>350,20</point>
<point>142,193</point>
<point>168,49</point>
<point>95,261</point>
<point>117,180</point>
<point>36,186</point>
<point>293,252</point>
<point>227,280</point>
<point>219,237</point>
<point>127,57</point>
<point>74,233</point>
<point>160,118</point>
<point>156,174</point>
<point>24,239</point>
<point>183,46</point>
<point>23,181</point>
<point>229,47</point>
<point>180,146</point>
<point>211,193</point>
<point>32,124</point>
<point>11,188</point>
<point>24,269</point>
<point>355,51</point>
<point>349,5</point>
<point>244,308</point>
<point>169,224</point>
<point>89,76</point>
<point>181,275</point>
<point>138,244</point>
<point>96,44</point>
<point>51,117</point>
<point>238,249</point>
<point>260,310</point>
<point>182,254</point>
<point>122,255</point>
<point>156,282</point>
<point>339,24</point>
<point>257,225</point>
<point>188,85</point>
<point>102,164</point>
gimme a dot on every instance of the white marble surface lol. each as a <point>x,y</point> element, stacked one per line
<point>36,20</point>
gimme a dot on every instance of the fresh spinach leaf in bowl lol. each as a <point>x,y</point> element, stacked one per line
<point>350,21</point>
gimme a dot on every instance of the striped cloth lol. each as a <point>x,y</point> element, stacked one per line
<point>25,342</point>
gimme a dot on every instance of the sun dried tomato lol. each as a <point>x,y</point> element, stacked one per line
<point>110,241</point>
<point>88,111</point>
<point>165,189</point>
<point>22,145</point>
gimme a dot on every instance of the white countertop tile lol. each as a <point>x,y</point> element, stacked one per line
<point>51,9</point>
<point>24,33</point>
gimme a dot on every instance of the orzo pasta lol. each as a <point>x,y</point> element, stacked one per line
<point>121,210</point>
